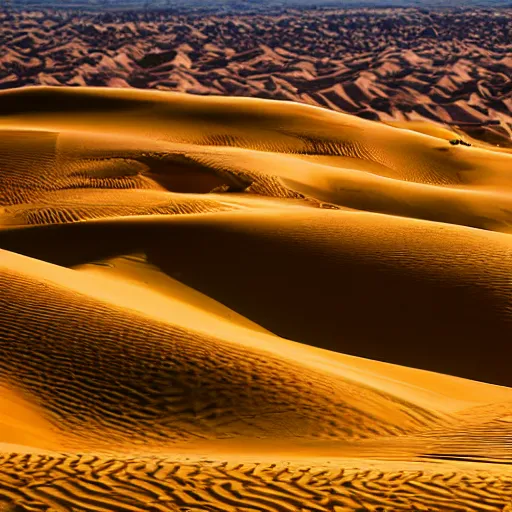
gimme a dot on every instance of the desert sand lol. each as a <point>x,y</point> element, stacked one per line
<point>448,66</point>
<point>231,304</point>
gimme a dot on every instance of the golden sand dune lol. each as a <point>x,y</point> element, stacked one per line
<point>195,386</point>
<point>186,144</point>
<point>232,304</point>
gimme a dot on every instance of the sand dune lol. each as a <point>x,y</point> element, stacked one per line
<point>388,64</point>
<point>317,276</point>
<point>240,304</point>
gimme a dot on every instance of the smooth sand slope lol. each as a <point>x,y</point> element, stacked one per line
<point>232,304</point>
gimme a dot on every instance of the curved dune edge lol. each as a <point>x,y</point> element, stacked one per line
<point>51,281</point>
<point>118,281</point>
<point>165,294</point>
<point>426,393</point>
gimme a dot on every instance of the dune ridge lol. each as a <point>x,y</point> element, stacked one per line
<point>235,304</point>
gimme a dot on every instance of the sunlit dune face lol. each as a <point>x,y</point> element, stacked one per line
<point>233,304</point>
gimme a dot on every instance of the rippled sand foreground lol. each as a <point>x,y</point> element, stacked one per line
<point>228,304</point>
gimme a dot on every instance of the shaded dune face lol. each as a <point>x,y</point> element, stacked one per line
<point>359,283</point>
<point>339,281</point>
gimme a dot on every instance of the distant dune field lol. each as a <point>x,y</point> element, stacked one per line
<point>451,66</point>
<point>229,304</point>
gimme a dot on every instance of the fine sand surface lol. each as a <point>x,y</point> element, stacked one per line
<point>452,65</point>
<point>232,304</point>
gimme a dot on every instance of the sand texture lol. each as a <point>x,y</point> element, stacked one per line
<point>451,66</point>
<point>233,304</point>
